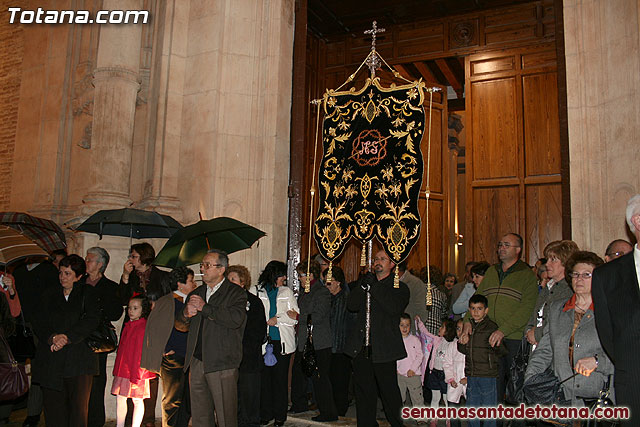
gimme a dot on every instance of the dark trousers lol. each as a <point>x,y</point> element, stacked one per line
<point>176,407</point>
<point>340,377</point>
<point>299,382</point>
<point>249,399</point>
<point>373,378</point>
<point>505,363</point>
<point>322,385</point>
<point>513,346</point>
<point>149,405</point>
<point>96,417</point>
<point>69,406</point>
<point>274,387</point>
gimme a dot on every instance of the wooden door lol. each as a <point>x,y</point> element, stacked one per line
<point>513,169</point>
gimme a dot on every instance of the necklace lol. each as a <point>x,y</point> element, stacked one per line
<point>584,310</point>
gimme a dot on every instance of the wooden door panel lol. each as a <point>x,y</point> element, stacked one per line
<point>541,125</point>
<point>494,126</point>
<point>437,121</point>
<point>437,252</point>
<point>544,218</point>
<point>495,213</point>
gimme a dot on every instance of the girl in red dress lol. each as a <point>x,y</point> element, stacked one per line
<point>130,380</point>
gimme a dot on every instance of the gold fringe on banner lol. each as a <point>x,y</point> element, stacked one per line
<point>363,255</point>
<point>330,272</point>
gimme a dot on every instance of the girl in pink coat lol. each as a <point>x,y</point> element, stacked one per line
<point>454,373</point>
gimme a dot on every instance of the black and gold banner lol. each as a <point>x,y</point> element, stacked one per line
<point>371,170</point>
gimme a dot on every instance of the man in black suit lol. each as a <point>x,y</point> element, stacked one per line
<point>376,346</point>
<point>215,316</point>
<point>616,299</point>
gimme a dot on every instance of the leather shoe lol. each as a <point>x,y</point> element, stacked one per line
<point>264,422</point>
<point>324,418</point>
<point>278,423</point>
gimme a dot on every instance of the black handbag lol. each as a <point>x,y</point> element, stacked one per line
<point>13,377</point>
<point>21,342</point>
<point>104,338</point>
<point>515,385</point>
<point>545,389</point>
<point>309,362</point>
<point>603,401</point>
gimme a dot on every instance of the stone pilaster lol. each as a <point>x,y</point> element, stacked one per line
<point>603,86</point>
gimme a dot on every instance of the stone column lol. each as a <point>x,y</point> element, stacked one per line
<point>603,86</point>
<point>116,80</point>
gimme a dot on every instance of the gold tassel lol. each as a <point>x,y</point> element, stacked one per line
<point>363,255</point>
<point>396,279</point>
<point>329,272</point>
<point>307,284</point>
<point>429,294</point>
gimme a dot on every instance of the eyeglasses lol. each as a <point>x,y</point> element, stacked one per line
<point>131,256</point>
<point>506,245</point>
<point>575,275</point>
<point>208,265</point>
<point>616,254</point>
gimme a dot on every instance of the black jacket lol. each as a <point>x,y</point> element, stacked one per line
<point>107,292</point>
<point>481,359</point>
<point>616,301</point>
<point>387,305</point>
<point>223,319</point>
<point>255,334</point>
<point>56,315</point>
<point>31,285</point>
<point>159,285</point>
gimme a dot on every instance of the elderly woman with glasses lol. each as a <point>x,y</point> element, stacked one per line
<point>570,344</point>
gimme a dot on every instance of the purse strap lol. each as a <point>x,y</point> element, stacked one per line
<point>12,359</point>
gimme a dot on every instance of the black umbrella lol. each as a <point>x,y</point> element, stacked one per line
<point>132,223</point>
<point>189,245</point>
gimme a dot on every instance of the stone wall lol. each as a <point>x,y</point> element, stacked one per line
<point>11,51</point>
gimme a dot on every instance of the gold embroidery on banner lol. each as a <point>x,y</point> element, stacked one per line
<point>333,235</point>
<point>363,221</point>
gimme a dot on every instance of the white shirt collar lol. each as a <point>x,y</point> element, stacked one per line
<point>636,258</point>
<point>550,284</point>
<point>211,291</point>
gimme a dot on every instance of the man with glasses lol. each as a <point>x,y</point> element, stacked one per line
<point>616,299</point>
<point>215,316</point>
<point>375,342</point>
<point>511,289</point>
<point>616,249</point>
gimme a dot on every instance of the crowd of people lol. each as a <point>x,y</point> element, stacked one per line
<point>230,352</point>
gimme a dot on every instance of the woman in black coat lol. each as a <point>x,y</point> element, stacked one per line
<point>64,365</point>
<point>255,334</point>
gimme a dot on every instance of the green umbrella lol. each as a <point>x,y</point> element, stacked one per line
<point>189,245</point>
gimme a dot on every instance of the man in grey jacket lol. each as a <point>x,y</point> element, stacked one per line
<point>215,316</point>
